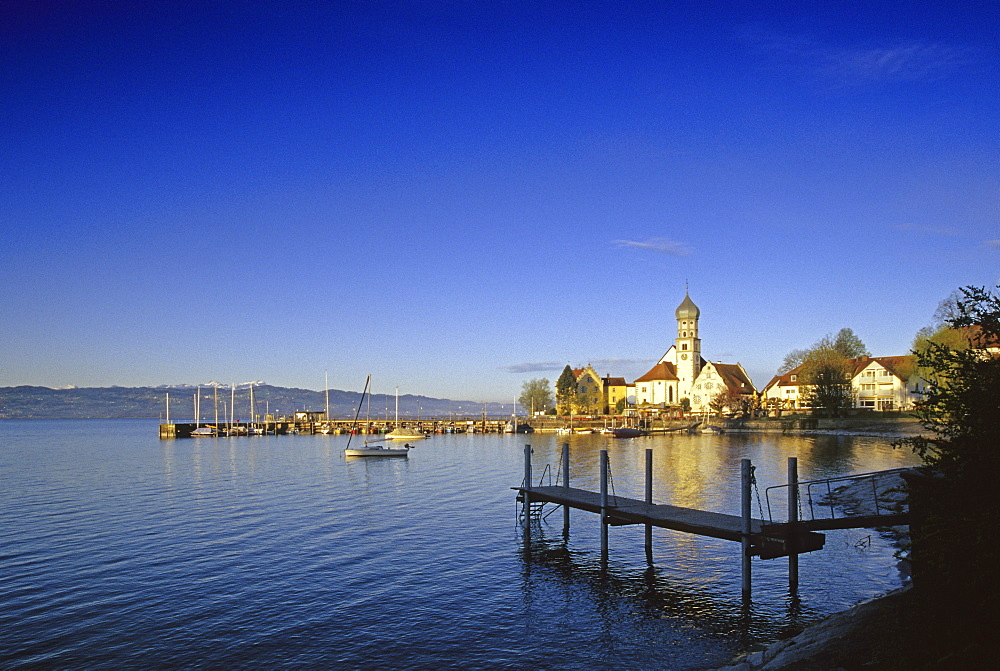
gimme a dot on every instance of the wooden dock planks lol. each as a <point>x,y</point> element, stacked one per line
<point>623,510</point>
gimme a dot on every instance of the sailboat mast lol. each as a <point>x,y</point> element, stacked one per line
<point>355,425</point>
<point>326,386</point>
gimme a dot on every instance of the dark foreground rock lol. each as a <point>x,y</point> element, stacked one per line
<point>870,635</point>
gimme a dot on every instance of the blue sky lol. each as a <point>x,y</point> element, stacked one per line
<point>456,197</point>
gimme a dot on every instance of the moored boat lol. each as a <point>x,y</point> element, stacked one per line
<point>373,450</point>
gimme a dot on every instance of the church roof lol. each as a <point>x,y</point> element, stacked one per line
<point>687,309</point>
<point>661,371</point>
<point>734,376</point>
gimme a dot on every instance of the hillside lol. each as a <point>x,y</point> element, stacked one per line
<point>27,402</point>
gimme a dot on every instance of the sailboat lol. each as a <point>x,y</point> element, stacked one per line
<point>401,433</point>
<point>371,448</point>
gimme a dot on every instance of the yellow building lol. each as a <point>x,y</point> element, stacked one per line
<point>615,392</point>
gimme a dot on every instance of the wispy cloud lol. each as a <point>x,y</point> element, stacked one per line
<point>993,244</point>
<point>535,367</point>
<point>602,366</point>
<point>911,61</point>
<point>660,245</point>
<point>850,65</point>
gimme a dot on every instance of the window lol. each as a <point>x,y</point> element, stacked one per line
<point>794,378</point>
<point>684,345</point>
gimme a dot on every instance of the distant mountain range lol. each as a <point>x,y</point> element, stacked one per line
<point>150,402</point>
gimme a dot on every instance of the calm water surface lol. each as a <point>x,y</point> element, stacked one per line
<point>122,550</point>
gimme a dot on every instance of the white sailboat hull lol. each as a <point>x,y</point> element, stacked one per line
<point>375,451</point>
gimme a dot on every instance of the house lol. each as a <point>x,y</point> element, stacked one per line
<point>727,379</point>
<point>886,383</point>
<point>878,383</point>
<point>784,392</point>
<point>616,391</point>
<point>589,390</point>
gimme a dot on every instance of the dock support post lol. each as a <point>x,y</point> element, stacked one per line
<point>745,475</point>
<point>604,506</point>
<point>793,517</point>
<point>649,499</point>
<point>565,479</point>
<point>526,502</point>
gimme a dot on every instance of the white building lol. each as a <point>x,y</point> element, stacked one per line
<point>682,372</point>
<point>878,383</point>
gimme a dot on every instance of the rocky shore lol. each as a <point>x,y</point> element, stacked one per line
<point>867,636</point>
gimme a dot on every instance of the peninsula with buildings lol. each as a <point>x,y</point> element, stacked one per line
<point>683,382</point>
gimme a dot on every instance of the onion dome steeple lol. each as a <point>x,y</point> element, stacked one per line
<point>687,309</point>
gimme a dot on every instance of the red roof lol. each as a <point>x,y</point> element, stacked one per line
<point>734,376</point>
<point>661,371</point>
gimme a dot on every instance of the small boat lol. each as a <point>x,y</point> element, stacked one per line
<point>374,450</point>
<point>518,427</point>
<point>402,432</point>
<point>205,432</point>
<point>626,432</point>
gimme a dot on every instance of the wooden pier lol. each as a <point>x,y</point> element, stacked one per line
<point>623,511</point>
<point>287,425</point>
<point>758,538</point>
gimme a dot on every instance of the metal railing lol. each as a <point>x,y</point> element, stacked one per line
<point>842,492</point>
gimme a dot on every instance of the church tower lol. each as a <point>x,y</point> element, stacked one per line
<point>688,345</point>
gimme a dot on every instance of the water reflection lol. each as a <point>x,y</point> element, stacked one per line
<point>620,594</point>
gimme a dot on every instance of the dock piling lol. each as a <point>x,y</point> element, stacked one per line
<point>793,517</point>
<point>565,479</point>
<point>604,506</point>
<point>526,502</point>
<point>649,499</point>
<point>745,476</point>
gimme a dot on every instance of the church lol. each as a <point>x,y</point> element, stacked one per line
<point>682,372</point>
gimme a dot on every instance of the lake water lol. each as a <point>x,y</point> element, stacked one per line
<point>123,550</point>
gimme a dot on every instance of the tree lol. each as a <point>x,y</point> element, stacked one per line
<point>846,343</point>
<point>719,402</point>
<point>954,551</point>
<point>849,345</point>
<point>536,395</point>
<point>566,391</point>
<point>792,360</point>
<point>962,403</point>
<point>685,405</point>
<point>827,375</point>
